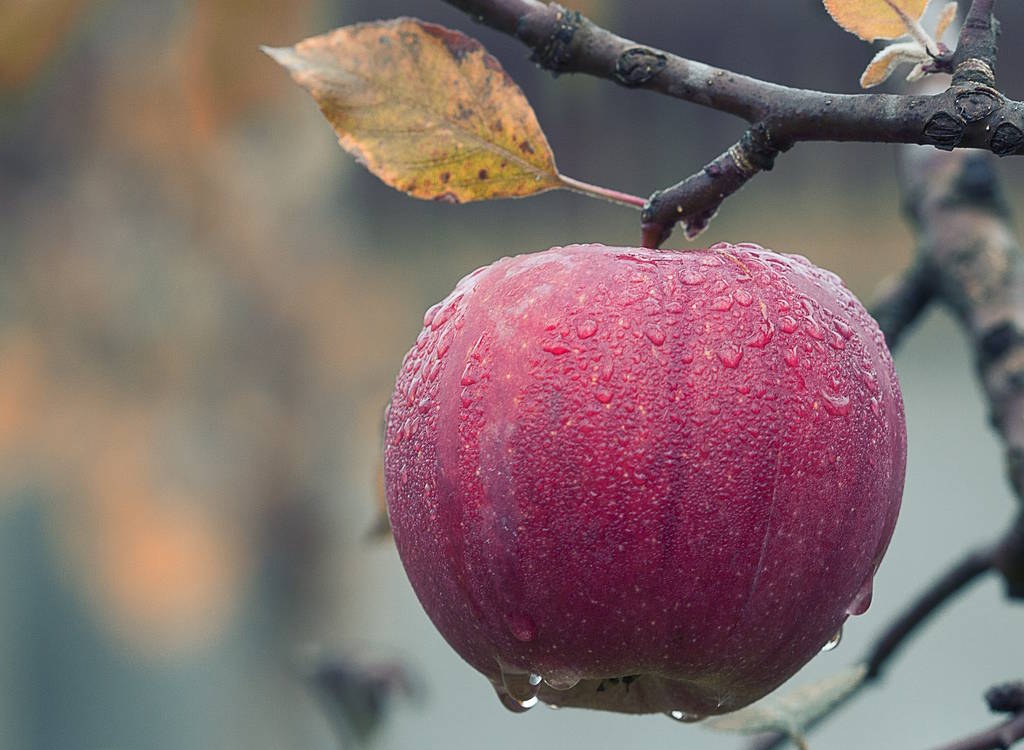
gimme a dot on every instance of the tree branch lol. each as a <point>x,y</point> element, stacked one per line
<point>969,114</point>
<point>697,198</point>
<point>999,737</point>
<point>900,301</point>
<point>1007,698</point>
<point>953,582</point>
<point>977,269</point>
<point>969,259</point>
<point>975,56</point>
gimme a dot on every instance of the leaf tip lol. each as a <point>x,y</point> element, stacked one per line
<point>283,56</point>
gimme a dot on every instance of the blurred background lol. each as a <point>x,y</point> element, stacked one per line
<point>204,302</point>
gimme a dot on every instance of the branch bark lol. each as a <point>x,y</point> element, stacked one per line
<point>1008,698</point>
<point>971,113</point>
<point>900,301</point>
<point>977,269</point>
<point>999,737</point>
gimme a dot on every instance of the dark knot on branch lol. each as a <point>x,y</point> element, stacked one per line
<point>978,102</point>
<point>638,65</point>
<point>555,53</point>
<point>1006,698</point>
<point>1007,139</point>
<point>755,151</point>
<point>945,130</point>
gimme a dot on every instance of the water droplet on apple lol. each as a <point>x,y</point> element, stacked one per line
<point>862,600</point>
<point>692,278</point>
<point>444,343</point>
<point>844,328</point>
<point>434,371</point>
<point>787,324</point>
<point>871,381</point>
<point>414,385</point>
<point>586,329</point>
<point>763,336</point>
<point>562,682</point>
<point>722,304</point>
<point>555,348</point>
<point>743,297</point>
<point>442,317</point>
<point>603,395</point>
<point>656,335</point>
<point>513,705</point>
<point>683,716</point>
<point>521,688</point>
<point>469,375</point>
<point>522,627</point>
<point>836,405</point>
<point>428,316</point>
<point>730,355</point>
<point>813,329</point>
<point>834,640</point>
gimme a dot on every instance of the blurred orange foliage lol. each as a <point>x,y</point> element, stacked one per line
<point>32,32</point>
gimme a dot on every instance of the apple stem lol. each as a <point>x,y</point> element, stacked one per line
<point>597,191</point>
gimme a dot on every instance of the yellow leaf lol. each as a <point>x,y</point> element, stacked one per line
<point>888,59</point>
<point>426,109</point>
<point>874,19</point>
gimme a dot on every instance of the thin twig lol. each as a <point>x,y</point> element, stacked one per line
<point>953,582</point>
<point>999,737</point>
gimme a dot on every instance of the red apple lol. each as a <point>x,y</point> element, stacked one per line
<point>643,480</point>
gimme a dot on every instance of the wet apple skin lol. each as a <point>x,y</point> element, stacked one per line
<point>681,467</point>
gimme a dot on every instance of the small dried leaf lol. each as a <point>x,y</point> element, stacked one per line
<point>426,109</point>
<point>793,712</point>
<point>916,73</point>
<point>874,19</point>
<point>947,17</point>
<point>888,59</point>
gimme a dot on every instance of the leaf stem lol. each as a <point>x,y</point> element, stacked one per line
<point>597,191</point>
